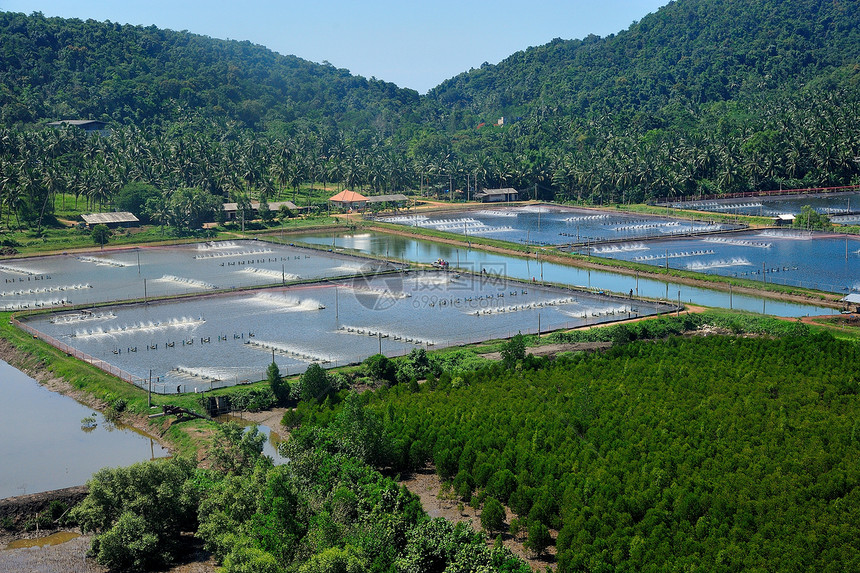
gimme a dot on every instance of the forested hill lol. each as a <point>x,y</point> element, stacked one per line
<point>690,51</point>
<point>54,68</point>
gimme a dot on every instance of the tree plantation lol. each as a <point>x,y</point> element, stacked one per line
<point>721,453</point>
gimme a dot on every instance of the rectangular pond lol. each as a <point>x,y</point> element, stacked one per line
<point>122,274</point>
<point>555,225</point>
<point>837,204</point>
<point>526,268</point>
<point>221,340</point>
<point>821,261</point>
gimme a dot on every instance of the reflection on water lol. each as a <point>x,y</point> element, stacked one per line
<point>44,446</point>
<point>273,440</point>
<point>411,249</point>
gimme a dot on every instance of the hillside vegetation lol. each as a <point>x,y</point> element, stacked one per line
<point>702,97</point>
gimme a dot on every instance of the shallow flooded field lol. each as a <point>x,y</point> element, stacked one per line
<point>222,340</point>
<point>555,225</point>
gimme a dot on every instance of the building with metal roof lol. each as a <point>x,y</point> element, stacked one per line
<point>114,219</point>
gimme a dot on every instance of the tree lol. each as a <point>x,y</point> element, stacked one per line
<point>133,197</point>
<point>265,213</point>
<point>539,538</point>
<point>234,450</point>
<point>314,384</point>
<point>514,350</point>
<point>100,234</point>
<point>280,388</point>
<point>493,516</point>
<point>380,368</point>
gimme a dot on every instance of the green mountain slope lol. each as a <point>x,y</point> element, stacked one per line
<point>690,51</point>
<point>67,68</point>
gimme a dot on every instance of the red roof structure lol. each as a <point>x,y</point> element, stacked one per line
<point>347,196</point>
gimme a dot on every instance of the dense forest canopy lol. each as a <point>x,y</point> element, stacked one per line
<point>702,97</point>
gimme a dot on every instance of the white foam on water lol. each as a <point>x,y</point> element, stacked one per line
<point>271,273</point>
<point>101,261</point>
<point>217,245</point>
<point>793,235</point>
<point>293,351</point>
<point>60,288</point>
<point>585,218</point>
<point>372,331</point>
<point>599,311</point>
<point>225,254</point>
<point>738,242</point>
<point>82,317</point>
<point>496,213</point>
<point>18,270</point>
<point>678,255</point>
<point>181,323</point>
<point>287,303</point>
<point>625,248</point>
<point>186,281</point>
<point>720,264</point>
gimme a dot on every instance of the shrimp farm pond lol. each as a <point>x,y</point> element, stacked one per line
<point>147,272</point>
<point>816,260</point>
<point>225,339</point>
<point>556,225</point>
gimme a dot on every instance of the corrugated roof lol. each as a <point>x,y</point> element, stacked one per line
<point>506,191</point>
<point>274,205</point>
<point>77,122</point>
<point>393,198</point>
<point>107,218</point>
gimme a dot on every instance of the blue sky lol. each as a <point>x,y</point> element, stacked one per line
<point>412,44</point>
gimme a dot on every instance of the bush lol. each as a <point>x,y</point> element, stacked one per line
<point>493,516</point>
<point>138,512</point>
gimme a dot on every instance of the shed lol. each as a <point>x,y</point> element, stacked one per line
<point>497,195</point>
<point>112,220</point>
<point>231,209</point>
<point>398,199</point>
<point>783,220</point>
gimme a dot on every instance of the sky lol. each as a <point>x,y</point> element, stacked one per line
<point>415,45</point>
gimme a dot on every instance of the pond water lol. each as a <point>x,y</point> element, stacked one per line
<point>44,445</point>
<point>838,204</point>
<point>222,340</point>
<point>418,250</point>
<point>555,225</point>
<point>820,261</point>
<point>101,276</point>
